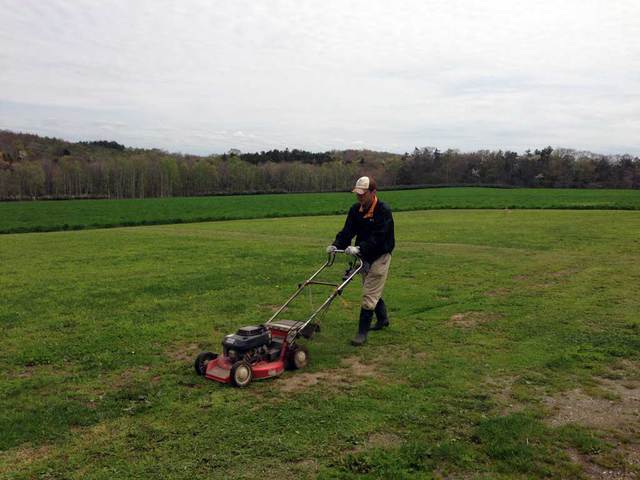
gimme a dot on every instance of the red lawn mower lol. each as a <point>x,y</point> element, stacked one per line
<point>266,350</point>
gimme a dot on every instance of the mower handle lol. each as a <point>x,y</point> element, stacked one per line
<point>331,256</point>
<point>301,286</point>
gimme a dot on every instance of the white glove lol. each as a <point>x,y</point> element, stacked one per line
<point>331,248</point>
<point>355,251</point>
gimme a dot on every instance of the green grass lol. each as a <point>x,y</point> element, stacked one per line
<point>100,328</point>
<point>41,216</point>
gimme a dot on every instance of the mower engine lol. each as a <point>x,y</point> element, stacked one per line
<point>252,344</point>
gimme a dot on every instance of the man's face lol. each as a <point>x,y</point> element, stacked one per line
<point>365,199</point>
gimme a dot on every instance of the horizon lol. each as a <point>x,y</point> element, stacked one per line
<point>430,147</point>
<point>198,78</point>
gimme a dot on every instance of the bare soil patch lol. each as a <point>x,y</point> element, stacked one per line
<point>354,370</point>
<point>472,319</point>
<point>384,440</point>
<point>619,412</point>
<point>502,393</point>
<point>613,408</point>
<point>44,370</point>
<point>594,471</point>
<point>307,466</point>
<point>498,292</point>
<point>22,456</point>
<point>360,369</point>
<point>380,440</point>
<point>564,273</point>
<point>420,356</point>
<point>300,381</point>
<point>183,352</point>
<point>624,369</point>
<point>128,377</point>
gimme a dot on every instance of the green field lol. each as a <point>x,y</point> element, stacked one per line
<point>43,216</point>
<point>500,319</point>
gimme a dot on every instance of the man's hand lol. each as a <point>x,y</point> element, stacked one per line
<point>355,251</point>
<point>331,248</point>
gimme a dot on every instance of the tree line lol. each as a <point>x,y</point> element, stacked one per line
<point>40,167</point>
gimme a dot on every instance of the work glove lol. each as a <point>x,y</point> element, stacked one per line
<point>355,251</point>
<point>331,248</point>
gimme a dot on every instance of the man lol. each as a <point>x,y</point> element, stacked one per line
<point>371,222</point>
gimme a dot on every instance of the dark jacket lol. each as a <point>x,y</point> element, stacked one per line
<point>373,235</point>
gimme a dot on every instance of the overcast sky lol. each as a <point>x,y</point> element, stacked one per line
<point>206,76</point>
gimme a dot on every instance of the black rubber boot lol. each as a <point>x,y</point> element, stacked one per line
<point>363,327</point>
<point>382,319</point>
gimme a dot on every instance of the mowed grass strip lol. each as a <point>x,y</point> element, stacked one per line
<point>492,312</point>
<point>40,216</point>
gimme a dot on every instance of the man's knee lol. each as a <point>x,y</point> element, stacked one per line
<point>369,302</point>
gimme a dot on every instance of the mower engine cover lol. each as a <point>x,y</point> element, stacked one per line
<point>247,338</point>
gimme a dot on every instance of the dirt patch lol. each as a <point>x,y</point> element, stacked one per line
<point>310,465</point>
<point>127,377</point>
<point>594,471</point>
<point>521,278</point>
<point>614,408</point>
<point>498,292</point>
<point>360,369</point>
<point>28,371</point>
<point>619,412</point>
<point>379,440</point>
<point>624,368</point>
<point>632,455</point>
<point>353,370</point>
<point>384,440</point>
<point>421,356</point>
<point>472,319</point>
<point>564,273</point>
<point>183,352</point>
<point>301,381</point>
<point>15,459</point>
<point>502,393</point>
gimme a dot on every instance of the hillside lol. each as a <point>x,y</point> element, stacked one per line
<point>40,167</point>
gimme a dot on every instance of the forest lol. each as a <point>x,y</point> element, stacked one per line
<point>36,167</point>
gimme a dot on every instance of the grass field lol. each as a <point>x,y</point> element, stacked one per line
<point>43,216</point>
<point>513,352</point>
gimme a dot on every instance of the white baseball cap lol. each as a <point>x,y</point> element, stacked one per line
<point>362,186</point>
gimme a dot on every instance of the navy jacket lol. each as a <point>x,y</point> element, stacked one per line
<point>374,235</point>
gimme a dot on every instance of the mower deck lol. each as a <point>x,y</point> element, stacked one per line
<point>219,369</point>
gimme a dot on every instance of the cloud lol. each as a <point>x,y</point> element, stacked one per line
<point>319,75</point>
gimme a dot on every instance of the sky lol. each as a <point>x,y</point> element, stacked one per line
<point>205,76</point>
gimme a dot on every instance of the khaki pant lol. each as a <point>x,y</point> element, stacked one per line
<point>373,279</point>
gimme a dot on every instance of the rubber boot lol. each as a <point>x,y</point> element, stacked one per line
<point>382,319</point>
<point>363,327</point>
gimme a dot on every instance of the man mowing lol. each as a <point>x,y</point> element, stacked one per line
<point>371,222</point>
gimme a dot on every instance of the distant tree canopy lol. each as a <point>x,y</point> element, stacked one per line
<point>105,144</point>
<point>286,156</point>
<point>40,167</point>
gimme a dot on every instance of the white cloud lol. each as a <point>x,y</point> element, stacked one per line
<point>320,75</point>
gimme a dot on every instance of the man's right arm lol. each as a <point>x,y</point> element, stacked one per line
<point>344,236</point>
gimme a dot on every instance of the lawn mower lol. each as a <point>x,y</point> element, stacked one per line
<point>266,350</point>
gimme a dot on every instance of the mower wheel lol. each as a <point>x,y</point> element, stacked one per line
<point>202,360</point>
<point>297,357</point>
<point>241,374</point>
